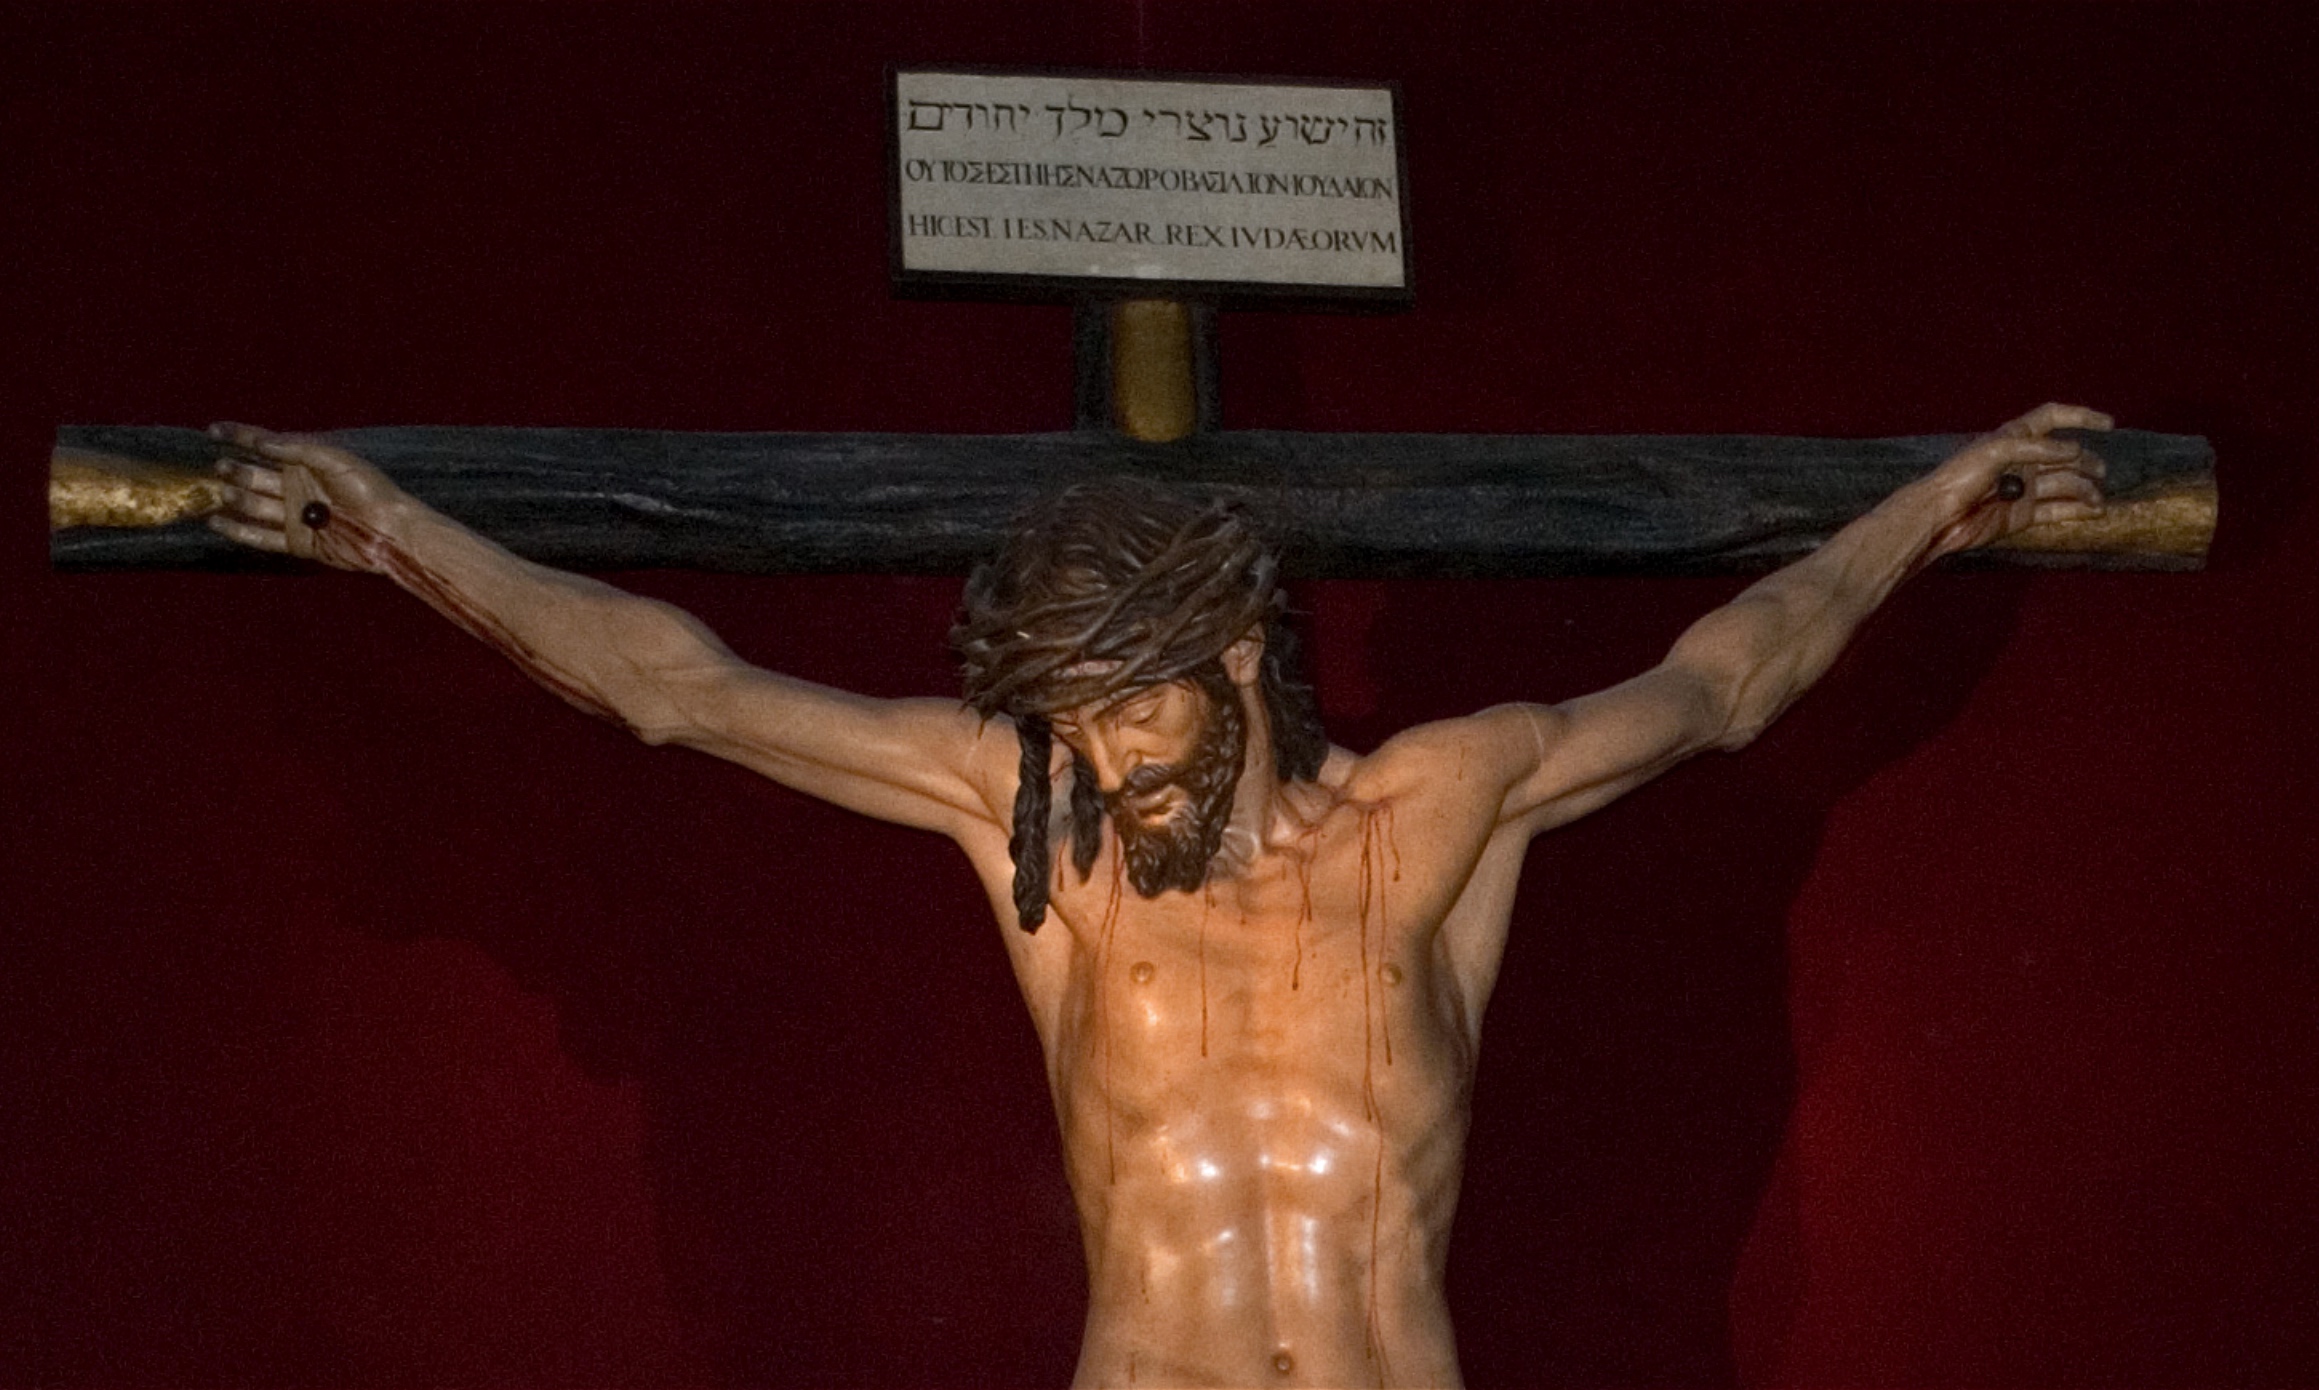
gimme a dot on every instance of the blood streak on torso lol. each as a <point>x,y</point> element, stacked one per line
<point>1264,1177</point>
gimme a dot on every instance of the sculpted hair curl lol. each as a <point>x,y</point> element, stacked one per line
<point>1107,587</point>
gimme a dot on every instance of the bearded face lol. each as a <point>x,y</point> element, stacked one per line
<point>1173,850</point>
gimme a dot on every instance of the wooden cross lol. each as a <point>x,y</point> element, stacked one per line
<point>1338,505</point>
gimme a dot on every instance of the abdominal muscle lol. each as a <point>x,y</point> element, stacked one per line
<point>1264,1112</point>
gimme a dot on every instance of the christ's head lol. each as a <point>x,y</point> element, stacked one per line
<point>1166,759</point>
<point>1142,627</point>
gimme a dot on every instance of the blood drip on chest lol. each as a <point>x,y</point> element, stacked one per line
<point>1377,846</point>
<point>1207,905</point>
<point>1103,1013</point>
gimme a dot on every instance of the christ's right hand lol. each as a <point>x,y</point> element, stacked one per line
<point>295,495</point>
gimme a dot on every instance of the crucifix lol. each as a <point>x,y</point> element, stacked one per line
<point>1257,963</point>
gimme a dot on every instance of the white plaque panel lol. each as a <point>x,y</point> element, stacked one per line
<point>1037,177</point>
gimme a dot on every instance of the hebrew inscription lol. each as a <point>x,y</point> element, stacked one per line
<point>1124,178</point>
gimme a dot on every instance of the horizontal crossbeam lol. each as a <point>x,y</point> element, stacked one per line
<point>1336,504</point>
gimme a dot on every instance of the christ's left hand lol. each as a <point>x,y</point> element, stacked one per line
<point>2054,479</point>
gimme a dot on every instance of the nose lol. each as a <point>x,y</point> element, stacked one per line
<point>1109,761</point>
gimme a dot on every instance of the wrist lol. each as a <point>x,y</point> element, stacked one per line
<point>1919,518</point>
<point>388,523</point>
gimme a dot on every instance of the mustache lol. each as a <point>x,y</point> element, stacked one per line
<point>1149,778</point>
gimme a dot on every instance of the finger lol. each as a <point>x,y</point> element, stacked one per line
<point>250,506</point>
<point>243,533</point>
<point>2016,449</point>
<point>250,477</point>
<point>2049,512</point>
<point>240,436</point>
<point>283,448</point>
<point>2064,486</point>
<point>2055,416</point>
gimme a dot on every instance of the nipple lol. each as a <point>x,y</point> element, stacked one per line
<point>1392,974</point>
<point>1282,1363</point>
<point>1141,972</point>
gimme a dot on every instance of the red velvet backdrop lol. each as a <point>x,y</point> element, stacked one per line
<point>369,1019</point>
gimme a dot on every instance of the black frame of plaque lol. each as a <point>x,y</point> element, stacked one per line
<point>1065,289</point>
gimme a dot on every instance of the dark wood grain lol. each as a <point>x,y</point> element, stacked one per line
<point>1336,504</point>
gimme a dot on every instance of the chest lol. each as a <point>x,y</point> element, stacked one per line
<point>1311,957</point>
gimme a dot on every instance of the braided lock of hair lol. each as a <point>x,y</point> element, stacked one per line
<point>1033,809</point>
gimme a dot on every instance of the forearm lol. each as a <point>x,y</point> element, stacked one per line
<point>604,651</point>
<point>1759,653</point>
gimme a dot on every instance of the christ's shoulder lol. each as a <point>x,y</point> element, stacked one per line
<point>1473,756</point>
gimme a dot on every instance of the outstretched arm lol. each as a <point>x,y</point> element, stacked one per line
<point>640,663</point>
<point>1735,670</point>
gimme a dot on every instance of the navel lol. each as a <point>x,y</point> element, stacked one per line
<point>1141,972</point>
<point>1392,973</point>
<point>1282,1362</point>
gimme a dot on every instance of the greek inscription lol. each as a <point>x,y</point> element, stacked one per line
<point>1146,179</point>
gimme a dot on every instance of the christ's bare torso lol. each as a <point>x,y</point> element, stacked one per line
<point>1263,1092</point>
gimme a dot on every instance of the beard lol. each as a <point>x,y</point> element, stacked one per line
<point>1175,853</point>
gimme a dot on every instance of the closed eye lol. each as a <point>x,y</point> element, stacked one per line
<point>1135,709</point>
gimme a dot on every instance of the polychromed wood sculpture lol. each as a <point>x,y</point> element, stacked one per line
<point>1257,963</point>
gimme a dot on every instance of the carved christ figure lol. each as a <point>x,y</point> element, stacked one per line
<point>1257,963</point>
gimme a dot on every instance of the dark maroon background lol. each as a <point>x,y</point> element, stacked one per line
<point>368,1019</point>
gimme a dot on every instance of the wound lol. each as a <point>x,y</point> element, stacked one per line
<point>406,570</point>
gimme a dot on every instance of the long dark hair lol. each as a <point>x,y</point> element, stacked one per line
<point>1111,586</point>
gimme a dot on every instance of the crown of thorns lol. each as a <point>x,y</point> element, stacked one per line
<point>1110,587</point>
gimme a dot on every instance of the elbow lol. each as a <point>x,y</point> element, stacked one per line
<point>1730,707</point>
<point>1738,733</point>
<point>654,734</point>
<point>1725,721</point>
<point>614,709</point>
<point>661,670</point>
<point>1748,708</point>
<point>1738,685</point>
<point>657,717</point>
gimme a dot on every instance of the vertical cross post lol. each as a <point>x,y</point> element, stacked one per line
<point>1146,368</point>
